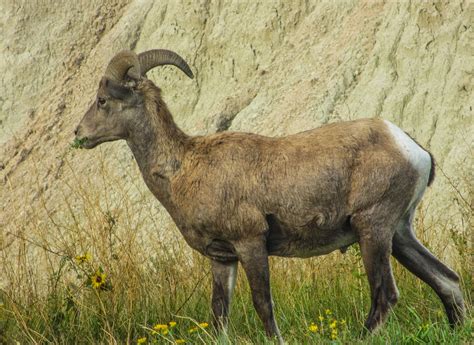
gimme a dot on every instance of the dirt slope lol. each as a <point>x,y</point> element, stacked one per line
<point>266,67</point>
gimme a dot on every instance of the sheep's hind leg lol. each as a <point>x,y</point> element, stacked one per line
<point>375,245</point>
<point>418,260</point>
<point>223,283</point>
<point>253,256</point>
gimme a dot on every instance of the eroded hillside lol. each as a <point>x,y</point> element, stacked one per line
<point>266,67</point>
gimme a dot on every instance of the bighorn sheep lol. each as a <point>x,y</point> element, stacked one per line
<point>240,197</point>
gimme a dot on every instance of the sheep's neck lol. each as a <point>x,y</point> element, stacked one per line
<point>158,145</point>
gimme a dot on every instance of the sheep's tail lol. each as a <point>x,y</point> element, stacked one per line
<point>432,171</point>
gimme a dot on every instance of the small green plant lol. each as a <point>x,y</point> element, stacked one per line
<point>78,143</point>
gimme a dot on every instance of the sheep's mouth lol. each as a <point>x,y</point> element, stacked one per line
<point>90,143</point>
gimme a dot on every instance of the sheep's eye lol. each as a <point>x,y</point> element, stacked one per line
<point>101,101</point>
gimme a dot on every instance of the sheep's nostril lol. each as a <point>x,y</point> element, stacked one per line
<point>75,132</point>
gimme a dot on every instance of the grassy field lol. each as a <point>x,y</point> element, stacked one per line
<point>94,272</point>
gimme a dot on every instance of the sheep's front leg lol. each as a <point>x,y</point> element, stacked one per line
<point>254,259</point>
<point>223,282</point>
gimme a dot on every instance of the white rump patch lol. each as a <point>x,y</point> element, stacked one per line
<point>418,158</point>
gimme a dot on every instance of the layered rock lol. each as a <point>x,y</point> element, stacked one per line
<point>268,67</point>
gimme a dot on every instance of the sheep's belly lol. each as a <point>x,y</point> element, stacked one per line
<point>312,238</point>
<point>307,247</point>
<point>283,240</point>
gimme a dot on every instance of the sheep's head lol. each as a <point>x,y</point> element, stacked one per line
<point>118,102</point>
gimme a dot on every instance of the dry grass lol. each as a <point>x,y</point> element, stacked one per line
<point>103,229</point>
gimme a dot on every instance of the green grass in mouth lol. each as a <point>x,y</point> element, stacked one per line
<point>78,143</point>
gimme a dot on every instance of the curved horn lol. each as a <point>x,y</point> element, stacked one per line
<point>124,63</point>
<point>160,57</point>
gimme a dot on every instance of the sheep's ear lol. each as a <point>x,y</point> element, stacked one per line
<point>116,90</point>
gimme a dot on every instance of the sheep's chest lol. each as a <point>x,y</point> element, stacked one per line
<point>208,244</point>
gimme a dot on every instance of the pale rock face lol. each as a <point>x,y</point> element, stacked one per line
<point>261,66</point>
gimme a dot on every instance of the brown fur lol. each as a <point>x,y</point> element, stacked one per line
<point>243,196</point>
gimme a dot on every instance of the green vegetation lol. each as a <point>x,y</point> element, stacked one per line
<point>98,272</point>
<point>78,143</point>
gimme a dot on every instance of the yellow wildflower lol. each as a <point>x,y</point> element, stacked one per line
<point>328,311</point>
<point>141,340</point>
<point>334,334</point>
<point>160,328</point>
<point>98,279</point>
<point>193,329</point>
<point>333,324</point>
<point>343,322</point>
<point>172,324</point>
<point>321,318</point>
<point>80,259</point>
<point>203,325</point>
<point>313,328</point>
<point>180,341</point>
